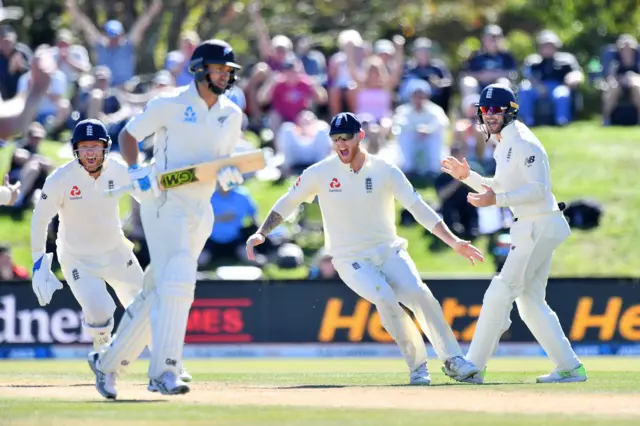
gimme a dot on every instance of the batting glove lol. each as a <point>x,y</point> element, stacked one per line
<point>144,179</point>
<point>229,177</point>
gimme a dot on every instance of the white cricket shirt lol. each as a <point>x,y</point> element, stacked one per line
<point>89,221</point>
<point>522,180</point>
<point>187,132</point>
<point>358,209</point>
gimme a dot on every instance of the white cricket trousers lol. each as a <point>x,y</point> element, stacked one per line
<point>86,276</point>
<point>389,278</point>
<point>523,279</point>
<point>176,230</point>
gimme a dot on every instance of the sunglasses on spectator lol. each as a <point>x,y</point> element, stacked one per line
<point>342,137</point>
<point>493,110</point>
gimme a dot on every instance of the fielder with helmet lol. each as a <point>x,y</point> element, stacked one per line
<point>521,182</point>
<point>91,246</point>
<point>192,124</point>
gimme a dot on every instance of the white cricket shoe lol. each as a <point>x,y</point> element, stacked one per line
<point>420,376</point>
<point>168,384</point>
<point>578,374</point>
<point>459,368</point>
<point>105,382</point>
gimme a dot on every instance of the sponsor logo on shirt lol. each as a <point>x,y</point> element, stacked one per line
<point>75,193</point>
<point>335,185</point>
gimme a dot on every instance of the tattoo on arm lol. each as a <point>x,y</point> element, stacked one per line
<point>270,223</point>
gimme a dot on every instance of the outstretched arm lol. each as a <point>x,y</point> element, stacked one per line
<point>141,25</point>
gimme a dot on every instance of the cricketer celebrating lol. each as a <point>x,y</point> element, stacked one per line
<point>356,192</point>
<point>91,246</point>
<point>193,124</point>
<point>521,182</point>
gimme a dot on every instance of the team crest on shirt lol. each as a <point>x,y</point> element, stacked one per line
<point>368,185</point>
<point>509,155</point>
<point>189,115</point>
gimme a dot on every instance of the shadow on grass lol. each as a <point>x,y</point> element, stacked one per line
<point>48,386</point>
<point>437,385</point>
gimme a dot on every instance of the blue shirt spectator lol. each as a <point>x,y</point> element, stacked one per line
<point>231,209</point>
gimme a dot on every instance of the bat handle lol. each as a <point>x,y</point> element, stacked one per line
<point>118,192</point>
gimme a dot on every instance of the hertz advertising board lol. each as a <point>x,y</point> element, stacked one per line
<point>590,311</point>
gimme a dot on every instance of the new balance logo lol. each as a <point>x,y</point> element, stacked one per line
<point>75,274</point>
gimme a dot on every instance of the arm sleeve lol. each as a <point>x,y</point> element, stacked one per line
<point>5,195</point>
<point>149,122</point>
<point>475,181</point>
<point>534,166</point>
<point>303,191</point>
<point>46,208</point>
<point>406,194</point>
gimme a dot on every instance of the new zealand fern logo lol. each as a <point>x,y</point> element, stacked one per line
<point>182,177</point>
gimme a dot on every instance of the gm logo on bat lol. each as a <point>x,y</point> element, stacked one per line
<point>182,177</point>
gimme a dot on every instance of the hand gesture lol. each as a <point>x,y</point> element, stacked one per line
<point>398,40</point>
<point>465,249</point>
<point>459,170</point>
<point>42,68</point>
<point>15,190</point>
<point>254,240</point>
<point>486,199</point>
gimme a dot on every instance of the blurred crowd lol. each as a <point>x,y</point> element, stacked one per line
<point>414,108</point>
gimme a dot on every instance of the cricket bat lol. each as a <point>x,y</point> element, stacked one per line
<point>246,162</point>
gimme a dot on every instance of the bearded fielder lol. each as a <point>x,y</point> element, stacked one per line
<point>356,192</point>
<point>522,182</point>
<point>193,124</point>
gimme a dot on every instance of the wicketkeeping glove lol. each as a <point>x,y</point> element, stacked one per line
<point>144,179</point>
<point>44,282</point>
<point>229,177</point>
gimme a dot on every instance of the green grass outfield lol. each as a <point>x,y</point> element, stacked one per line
<point>323,392</point>
<point>587,161</point>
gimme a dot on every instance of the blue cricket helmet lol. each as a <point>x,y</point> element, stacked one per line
<point>500,99</point>
<point>90,129</point>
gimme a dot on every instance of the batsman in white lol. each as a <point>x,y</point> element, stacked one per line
<point>192,124</point>
<point>521,182</point>
<point>356,193</point>
<point>9,193</point>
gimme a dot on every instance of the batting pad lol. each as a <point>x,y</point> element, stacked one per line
<point>132,335</point>
<point>133,332</point>
<point>169,317</point>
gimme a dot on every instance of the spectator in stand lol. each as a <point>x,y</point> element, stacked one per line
<point>622,77</point>
<point>14,61</point>
<point>374,88</point>
<point>491,64</point>
<point>467,132</point>
<point>460,216</point>
<point>303,143</point>
<point>289,92</point>
<point>115,49</point>
<point>9,271</point>
<point>73,59</point>
<point>552,75</point>
<point>29,167</point>
<point>17,113</point>
<point>178,60</point>
<point>422,128</point>
<point>313,61</point>
<point>273,53</point>
<point>339,77</point>
<point>432,70</point>
<point>322,267</point>
<point>55,108</point>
